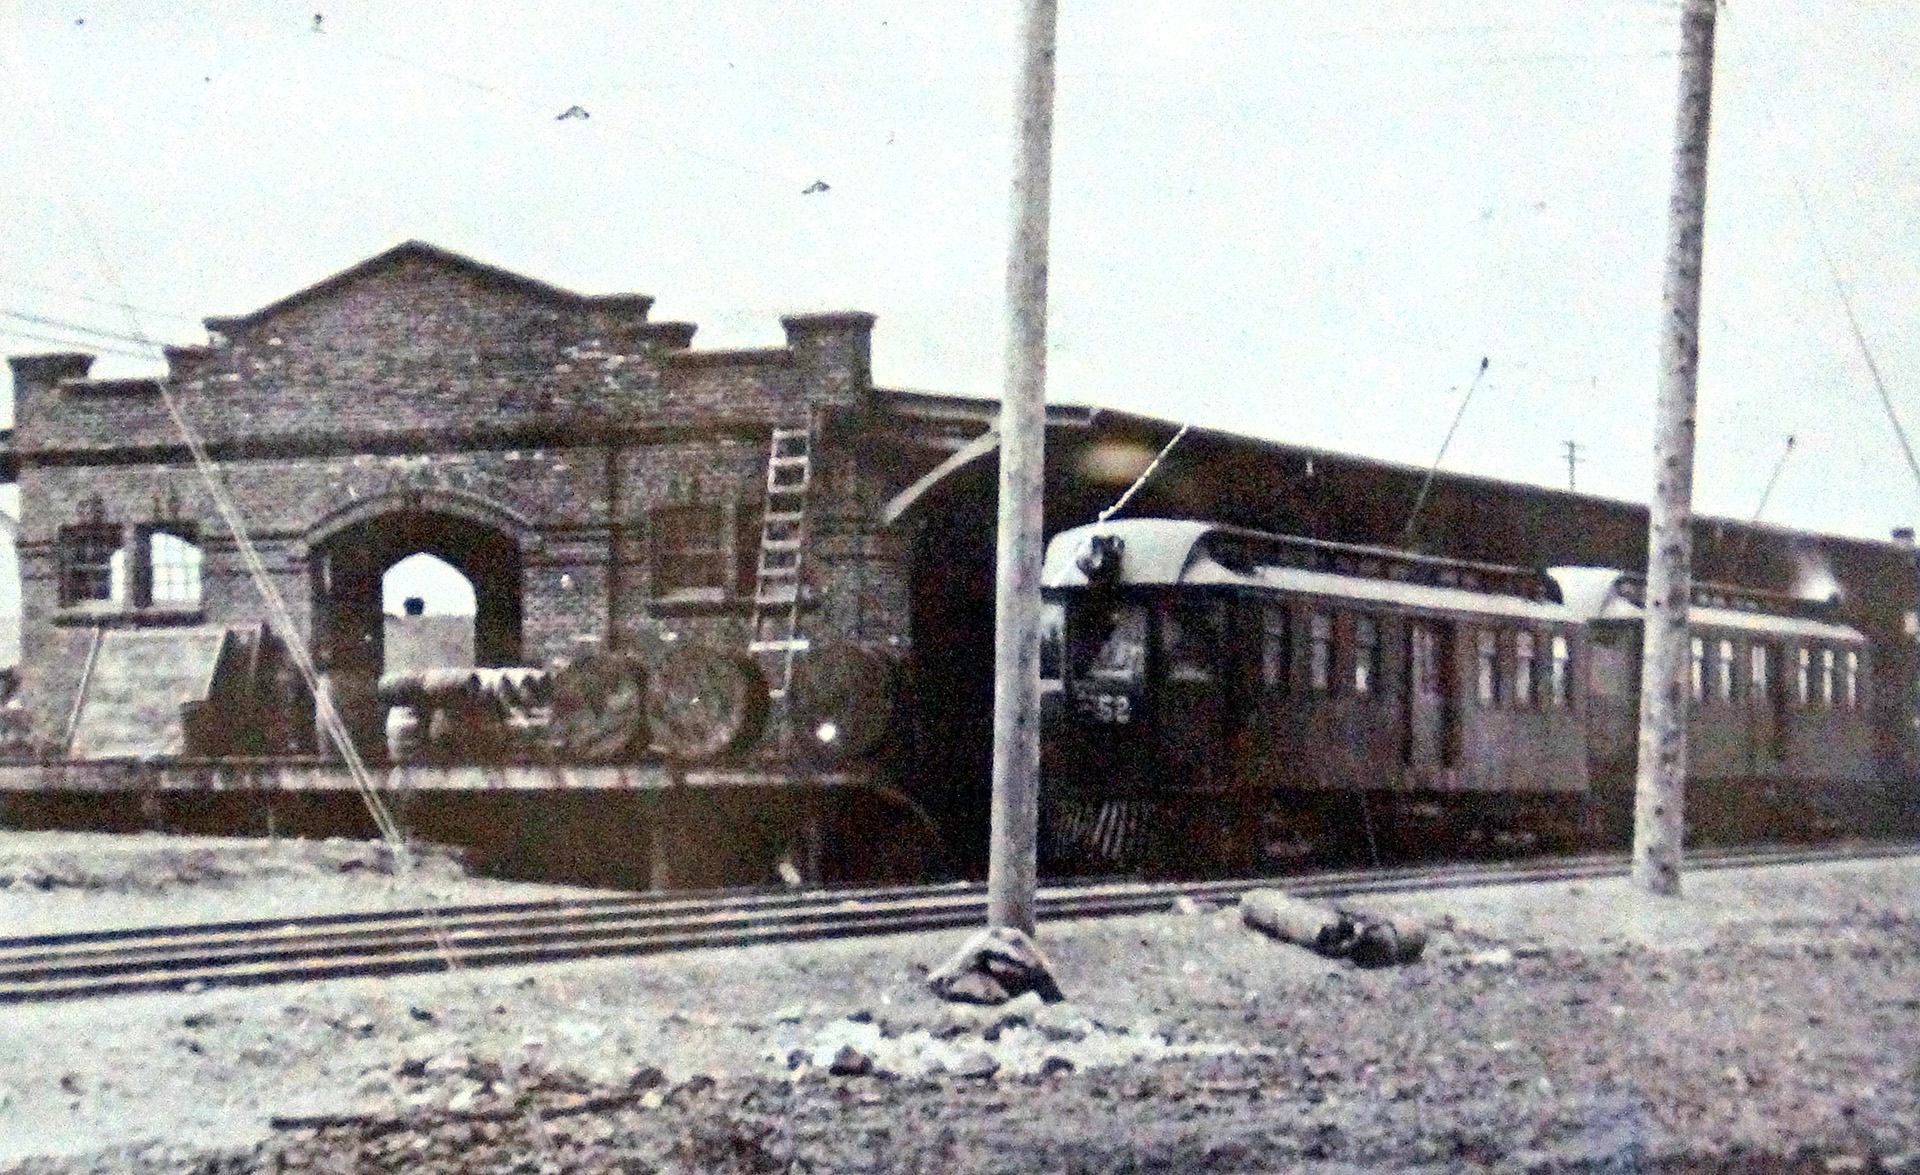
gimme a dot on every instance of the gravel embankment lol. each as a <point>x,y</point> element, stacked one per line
<point>1767,1021</point>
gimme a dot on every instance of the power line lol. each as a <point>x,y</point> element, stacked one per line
<point>1420,500</point>
<point>122,353</point>
<point>75,327</point>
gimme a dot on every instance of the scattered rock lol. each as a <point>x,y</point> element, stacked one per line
<point>1054,1063</point>
<point>974,1063</point>
<point>850,1062</point>
<point>424,1015</point>
<point>1007,958</point>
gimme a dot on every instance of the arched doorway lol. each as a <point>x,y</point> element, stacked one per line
<point>349,568</point>
<point>428,608</point>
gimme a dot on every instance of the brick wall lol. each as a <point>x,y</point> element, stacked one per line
<point>423,380</point>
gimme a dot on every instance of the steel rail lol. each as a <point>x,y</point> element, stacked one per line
<point>102,963</point>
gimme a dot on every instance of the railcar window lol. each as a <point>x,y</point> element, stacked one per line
<point>1699,672</point>
<point>1560,672</point>
<point>1053,624</point>
<point>1826,677</point>
<point>1190,638</point>
<point>1850,680</point>
<point>1320,651</point>
<point>1366,654</point>
<point>1275,647</point>
<point>1487,666</point>
<point>1113,649</point>
<point>1523,669</point>
<point>1723,671</point>
<point>1426,659</point>
<point>1803,675</point>
<point>1759,677</point>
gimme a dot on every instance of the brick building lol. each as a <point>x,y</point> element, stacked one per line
<point>599,482</point>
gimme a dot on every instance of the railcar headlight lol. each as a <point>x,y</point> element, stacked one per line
<point>827,733</point>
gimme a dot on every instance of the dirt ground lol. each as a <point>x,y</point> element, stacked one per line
<point>1767,1020</point>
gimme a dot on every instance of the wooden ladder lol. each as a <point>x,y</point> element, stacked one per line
<point>776,638</point>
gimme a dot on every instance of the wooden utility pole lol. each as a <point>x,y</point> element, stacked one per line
<point>1660,785</point>
<point>1012,865</point>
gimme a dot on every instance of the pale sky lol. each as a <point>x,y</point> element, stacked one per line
<point>1307,221</point>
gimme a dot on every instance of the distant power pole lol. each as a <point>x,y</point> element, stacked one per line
<point>1573,458</point>
<point>1012,861</point>
<point>1660,784</point>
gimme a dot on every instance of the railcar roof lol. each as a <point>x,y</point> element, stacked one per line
<point>1160,551</point>
<point>1595,593</point>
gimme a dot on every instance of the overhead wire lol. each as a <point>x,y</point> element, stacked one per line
<point>1819,239</point>
<point>279,617</point>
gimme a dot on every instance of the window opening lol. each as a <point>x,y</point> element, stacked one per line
<point>1759,675</point>
<point>1114,650</point>
<point>1487,663</point>
<point>1523,668</point>
<point>1560,672</point>
<point>1699,669</point>
<point>1053,623</point>
<point>692,552</point>
<point>1274,647</point>
<point>173,570</point>
<point>1850,680</point>
<point>1826,677</point>
<point>1366,654</point>
<point>1803,676</point>
<point>91,565</point>
<point>1320,659</point>
<point>1723,671</point>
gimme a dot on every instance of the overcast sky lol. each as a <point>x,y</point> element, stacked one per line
<point>1307,221</point>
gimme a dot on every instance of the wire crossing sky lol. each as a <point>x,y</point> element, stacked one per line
<point>1307,221</point>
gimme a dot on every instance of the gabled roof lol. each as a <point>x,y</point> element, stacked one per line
<point>410,250</point>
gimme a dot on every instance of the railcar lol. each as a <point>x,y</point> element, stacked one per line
<point>1215,697</point>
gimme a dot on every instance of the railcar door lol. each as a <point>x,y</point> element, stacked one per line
<point>1431,719</point>
<point>1192,703</point>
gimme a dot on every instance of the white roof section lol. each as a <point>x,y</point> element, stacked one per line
<point>1593,593</point>
<point>1170,551</point>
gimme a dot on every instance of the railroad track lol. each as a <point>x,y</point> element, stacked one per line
<point>194,957</point>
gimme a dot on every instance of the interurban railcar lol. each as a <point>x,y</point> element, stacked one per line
<point>1218,697</point>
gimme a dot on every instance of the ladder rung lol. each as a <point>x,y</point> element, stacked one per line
<point>772,544</point>
<point>797,644</point>
<point>787,434</point>
<point>785,595</point>
<point>778,571</point>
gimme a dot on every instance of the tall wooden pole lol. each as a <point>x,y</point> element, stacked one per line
<point>1660,786</point>
<point>1012,861</point>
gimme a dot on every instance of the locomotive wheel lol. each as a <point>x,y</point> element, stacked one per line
<point>599,710</point>
<point>702,703</point>
<point>843,700</point>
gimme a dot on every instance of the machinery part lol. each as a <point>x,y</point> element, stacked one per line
<point>702,703</point>
<point>599,708</point>
<point>845,698</point>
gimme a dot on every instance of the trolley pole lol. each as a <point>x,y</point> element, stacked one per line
<point>1012,864</point>
<point>1660,783</point>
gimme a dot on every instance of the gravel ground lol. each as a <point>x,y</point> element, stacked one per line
<point>1769,1020</point>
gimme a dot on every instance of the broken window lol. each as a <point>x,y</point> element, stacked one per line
<point>89,569</point>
